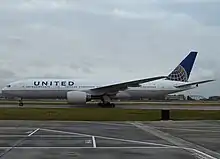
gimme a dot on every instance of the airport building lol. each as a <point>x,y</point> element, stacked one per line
<point>214,98</point>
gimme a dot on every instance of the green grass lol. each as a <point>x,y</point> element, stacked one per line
<point>82,114</point>
<point>100,114</point>
<point>195,115</point>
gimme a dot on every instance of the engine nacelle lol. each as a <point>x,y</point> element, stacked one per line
<point>77,97</point>
<point>122,95</point>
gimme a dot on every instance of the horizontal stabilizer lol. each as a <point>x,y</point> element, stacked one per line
<point>193,83</point>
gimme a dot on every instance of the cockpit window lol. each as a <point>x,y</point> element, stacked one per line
<point>9,85</point>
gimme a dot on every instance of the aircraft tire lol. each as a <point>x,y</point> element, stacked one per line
<point>100,104</point>
<point>112,105</point>
<point>106,105</point>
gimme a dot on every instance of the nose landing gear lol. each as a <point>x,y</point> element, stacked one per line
<point>20,102</point>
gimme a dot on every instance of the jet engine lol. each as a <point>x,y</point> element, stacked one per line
<point>77,97</point>
<point>122,95</point>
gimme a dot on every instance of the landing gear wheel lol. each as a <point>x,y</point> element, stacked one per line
<point>112,105</point>
<point>106,105</point>
<point>100,104</point>
<point>21,103</point>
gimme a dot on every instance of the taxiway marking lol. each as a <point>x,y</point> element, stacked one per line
<point>175,140</point>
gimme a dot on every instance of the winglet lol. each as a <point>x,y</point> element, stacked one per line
<point>183,70</point>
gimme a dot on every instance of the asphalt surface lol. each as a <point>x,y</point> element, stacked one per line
<point>153,140</point>
<point>122,106</point>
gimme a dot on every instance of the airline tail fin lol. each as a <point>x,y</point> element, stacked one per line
<point>183,70</point>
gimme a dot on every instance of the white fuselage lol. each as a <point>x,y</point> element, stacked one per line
<point>58,88</point>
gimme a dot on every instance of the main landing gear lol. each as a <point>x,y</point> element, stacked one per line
<point>106,102</point>
<point>20,102</point>
<point>106,105</point>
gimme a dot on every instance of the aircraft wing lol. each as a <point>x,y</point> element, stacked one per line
<point>193,83</point>
<point>122,86</point>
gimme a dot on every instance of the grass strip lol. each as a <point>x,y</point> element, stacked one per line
<point>195,114</point>
<point>100,114</point>
<point>77,114</point>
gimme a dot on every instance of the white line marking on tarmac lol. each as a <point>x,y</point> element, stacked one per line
<point>93,141</point>
<point>202,155</point>
<point>33,132</point>
<point>174,140</point>
<point>196,130</point>
<point>108,123</point>
<point>133,141</point>
<point>17,143</point>
<point>108,138</point>
<point>66,132</point>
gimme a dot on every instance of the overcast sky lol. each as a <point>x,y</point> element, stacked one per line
<point>109,39</point>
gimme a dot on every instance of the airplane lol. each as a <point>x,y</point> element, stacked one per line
<point>76,92</point>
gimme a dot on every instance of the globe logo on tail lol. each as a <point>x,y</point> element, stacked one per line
<point>179,74</point>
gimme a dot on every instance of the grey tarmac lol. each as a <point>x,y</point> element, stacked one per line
<point>67,139</point>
